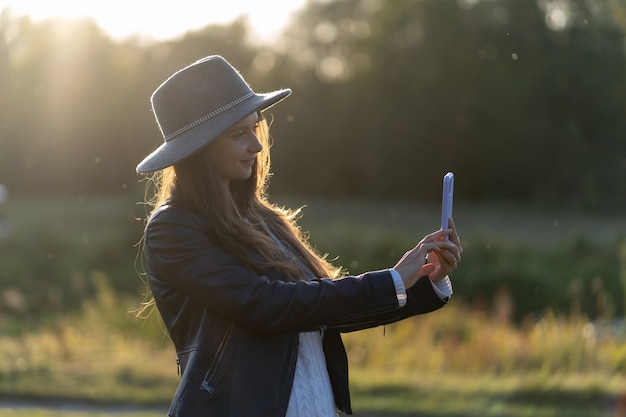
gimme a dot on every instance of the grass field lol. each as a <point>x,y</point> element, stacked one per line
<point>416,395</point>
<point>69,345</point>
<point>100,362</point>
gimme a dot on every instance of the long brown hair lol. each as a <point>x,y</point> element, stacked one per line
<point>241,216</point>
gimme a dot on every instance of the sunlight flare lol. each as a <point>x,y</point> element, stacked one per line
<point>121,19</point>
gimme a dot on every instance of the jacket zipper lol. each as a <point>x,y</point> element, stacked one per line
<point>322,331</point>
<point>216,360</point>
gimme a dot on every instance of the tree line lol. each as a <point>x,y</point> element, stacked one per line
<point>523,99</point>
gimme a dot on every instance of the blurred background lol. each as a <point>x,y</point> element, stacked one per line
<point>523,100</point>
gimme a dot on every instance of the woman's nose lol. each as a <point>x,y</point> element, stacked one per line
<point>255,145</point>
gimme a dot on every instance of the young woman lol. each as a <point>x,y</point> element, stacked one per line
<point>255,314</point>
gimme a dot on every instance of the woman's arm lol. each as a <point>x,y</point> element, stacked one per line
<point>178,252</point>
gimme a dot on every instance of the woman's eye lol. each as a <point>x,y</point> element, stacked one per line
<point>241,132</point>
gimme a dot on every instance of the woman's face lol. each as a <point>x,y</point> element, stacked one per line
<point>233,152</point>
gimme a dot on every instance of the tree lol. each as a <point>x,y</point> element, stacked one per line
<point>396,93</point>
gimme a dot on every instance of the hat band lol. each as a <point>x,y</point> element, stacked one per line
<point>208,116</point>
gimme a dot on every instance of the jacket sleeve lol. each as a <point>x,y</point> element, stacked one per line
<point>421,299</point>
<point>178,253</point>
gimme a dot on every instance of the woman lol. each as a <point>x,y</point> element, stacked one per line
<point>255,314</point>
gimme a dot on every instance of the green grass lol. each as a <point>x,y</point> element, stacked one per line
<point>376,394</point>
<point>433,365</point>
<point>464,395</point>
<point>69,283</point>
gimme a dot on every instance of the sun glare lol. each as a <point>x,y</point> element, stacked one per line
<point>162,20</point>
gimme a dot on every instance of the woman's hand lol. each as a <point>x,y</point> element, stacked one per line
<point>434,257</point>
<point>446,260</point>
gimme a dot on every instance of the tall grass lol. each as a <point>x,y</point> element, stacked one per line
<point>102,355</point>
<point>98,353</point>
<point>464,341</point>
<point>69,286</point>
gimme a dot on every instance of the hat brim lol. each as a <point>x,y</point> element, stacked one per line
<point>185,144</point>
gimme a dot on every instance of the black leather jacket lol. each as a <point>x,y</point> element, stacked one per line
<point>236,332</point>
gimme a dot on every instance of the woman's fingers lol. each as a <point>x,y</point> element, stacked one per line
<point>448,256</point>
<point>434,236</point>
<point>454,236</point>
<point>442,257</point>
<point>426,270</point>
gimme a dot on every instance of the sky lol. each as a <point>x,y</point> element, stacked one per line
<point>160,19</point>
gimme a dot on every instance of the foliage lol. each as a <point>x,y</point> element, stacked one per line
<point>70,288</point>
<point>517,110</point>
<point>522,99</point>
<point>430,365</point>
<point>509,256</point>
<point>98,356</point>
<point>59,247</point>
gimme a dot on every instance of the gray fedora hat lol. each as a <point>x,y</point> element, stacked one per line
<point>197,104</point>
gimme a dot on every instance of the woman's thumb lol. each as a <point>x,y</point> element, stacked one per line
<point>427,269</point>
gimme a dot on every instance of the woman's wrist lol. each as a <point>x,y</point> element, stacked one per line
<point>400,288</point>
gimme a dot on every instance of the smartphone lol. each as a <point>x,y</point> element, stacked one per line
<point>446,201</point>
